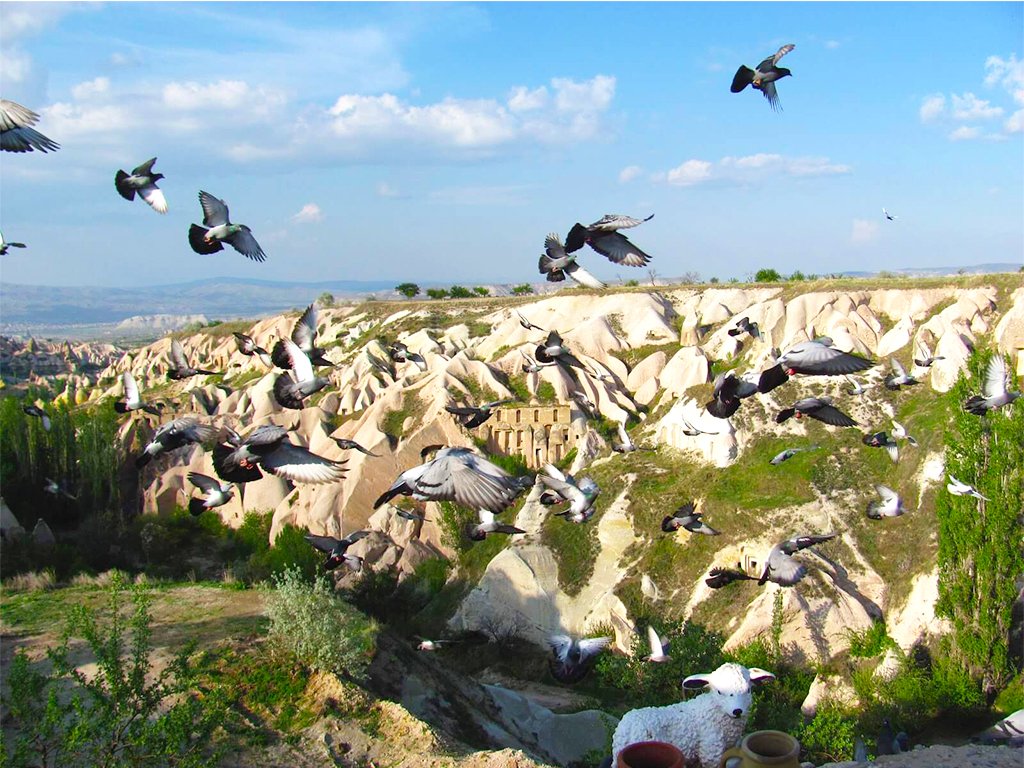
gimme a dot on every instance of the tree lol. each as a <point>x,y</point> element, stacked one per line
<point>522,289</point>
<point>437,293</point>
<point>325,299</point>
<point>459,292</point>
<point>409,290</point>
<point>482,291</point>
<point>980,557</point>
<point>767,276</point>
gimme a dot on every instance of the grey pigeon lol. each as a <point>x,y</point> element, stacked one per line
<point>400,354</point>
<point>659,649</point>
<point>248,347</point>
<point>215,493</point>
<point>173,435</point>
<point>858,388</point>
<point>433,645</point>
<point>604,237</point>
<point>336,550</point>
<point>625,443</point>
<point>995,391</point>
<point>900,433</point>
<point>142,181</point>
<point>813,358</point>
<point>779,565</point>
<point>240,460</point>
<point>743,325</point>
<point>292,388</point>
<point>764,77</point>
<point>882,440</point>
<point>889,216</point>
<point>555,264</point>
<point>581,494</point>
<point>788,454</point>
<point>17,133</point>
<point>728,391</point>
<point>39,413</point>
<point>179,365</point>
<point>686,517</point>
<point>56,489</point>
<point>819,408</point>
<point>958,488</point>
<point>573,658</point>
<point>532,366</point>
<point>217,229</point>
<point>927,358</point>
<point>132,398</point>
<point>890,505</point>
<point>4,245</point>
<point>553,349</point>
<point>352,445</point>
<point>527,324</point>
<point>304,335</point>
<point>471,417</point>
<point>488,524</point>
<point>899,376</point>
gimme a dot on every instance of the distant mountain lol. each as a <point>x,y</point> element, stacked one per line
<point>977,269</point>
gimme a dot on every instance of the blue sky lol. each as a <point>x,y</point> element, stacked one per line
<point>444,141</point>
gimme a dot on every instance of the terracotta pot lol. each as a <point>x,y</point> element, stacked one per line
<point>650,754</point>
<point>765,748</point>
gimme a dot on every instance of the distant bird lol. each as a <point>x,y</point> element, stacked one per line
<point>142,181</point>
<point>728,391</point>
<point>899,376</point>
<point>686,517</point>
<point>659,650</point>
<point>217,229</point>
<point>572,658</point>
<point>819,408</point>
<point>488,524</point>
<point>581,494</point>
<point>858,388</point>
<point>814,358</point>
<point>292,388</point>
<point>215,493</point>
<point>400,354</point>
<point>39,413</point>
<point>406,514</point>
<point>764,77</point>
<point>788,454</point>
<point>926,359</point>
<point>882,440</point>
<point>5,246</point>
<point>336,550</point>
<point>173,435</point>
<point>240,460</point>
<point>958,488</point>
<point>434,645</point>
<point>891,505</point>
<point>995,391</point>
<point>304,335</point>
<point>248,347</point>
<point>382,366</point>
<point>743,325</point>
<point>352,445</point>
<point>459,475</point>
<point>604,237</point>
<point>888,215</point>
<point>584,403</point>
<point>471,417</point>
<point>555,350</point>
<point>527,324</point>
<point>779,565</point>
<point>17,133</point>
<point>691,431</point>
<point>532,366</point>
<point>605,378</point>
<point>56,489</point>
<point>555,263</point>
<point>900,433</point>
<point>625,443</point>
<point>179,367</point>
<point>132,399</point>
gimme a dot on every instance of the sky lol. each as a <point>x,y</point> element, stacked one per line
<point>443,141</point>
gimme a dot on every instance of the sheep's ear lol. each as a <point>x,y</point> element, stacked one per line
<point>693,682</point>
<point>760,676</point>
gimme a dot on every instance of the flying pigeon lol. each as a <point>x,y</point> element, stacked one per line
<point>899,376</point>
<point>659,650</point>
<point>555,350</point>
<point>743,325</point>
<point>573,658</point>
<point>581,495</point>
<point>814,358</point>
<point>132,399</point>
<point>433,645</point>
<point>406,514</point>
<point>604,237</point>
<point>532,366</point>
<point>39,413</point>
<point>385,367</point>
<point>291,388</point>
<point>891,504</point>
<point>471,417</point>
<point>994,390</point>
<point>17,133</point>
<point>248,347</point>
<point>819,408</point>
<point>927,358</point>
<point>488,525</point>
<point>686,517</point>
<point>691,431</point>
<point>882,440</point>
<point>239,460</point>
<point>304,336</point>
<point>527,324</point>
<point>958,488</point>
<point>625,443</point>
<point>888,215</point>
<point>55,488</point>
<point>336,550</point>
<point>727,393</point>
<point>763,78</point>
<point>459,475</point>
<point>143,181</point>
<point>179,367</point>
<point>858,388</point>
<point>217,228</point>
<point>173,435</point>
<point>215,493</point>
<point>400,354</point>
<point>584,403</point>
<point>604,377</point>
<point>352,445</point>
<point>780,567</point>
<point>900,433</point>
<point>555,263</point>
<point>4,245</point>
<point>788,454</point>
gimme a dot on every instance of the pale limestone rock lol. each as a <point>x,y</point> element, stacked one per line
<point>1009,331</point>
<point>896,338</point>
<point>647,392</point>
<point>831,688</point>
<point>687,368</point>
<point>415,553</point>
<point>648,368</point>
<point>9,525</point>
<point>720,448</point>
<point>265,494</point>
<point>648,588</point>
<point>916,621</point>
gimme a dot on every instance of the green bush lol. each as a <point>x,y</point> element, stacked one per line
<point>522,289</point>
<point>767,276</point>
<point>409,290</point>
<point>460,292</point>
<point>437,293</point>
<point>322,630</point>
<point>871,642</point>
<point>829,736</point>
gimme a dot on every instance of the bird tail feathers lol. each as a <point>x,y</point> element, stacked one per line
<point>744,76</point>
<point>196,235</point>
<point>126,192</point>
<point>120,407</point>
<point>196,507</point>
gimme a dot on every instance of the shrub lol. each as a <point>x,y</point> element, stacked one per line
<point>409,290</point>
<point>523,289</point>
<point>323,631</point>
<point>459,292</point>
<point>767,276</point>
<point>829,737</point>
<point>871,642</point>
<point>437,293</point>
<point>481,290</point>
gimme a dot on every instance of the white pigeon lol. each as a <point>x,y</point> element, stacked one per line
<point>900,433</point>
<point>890,506</point>
<point>958,488</point>
<point>659,650</point>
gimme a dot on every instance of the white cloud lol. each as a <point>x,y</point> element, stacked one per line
<point>1005,74</point>
<point>689,173</point>
<point>594,95</point>
<point>1015,123</point>
<point>235,95</point>
<point>310,214</point>
<point>522,99</point>
<point>970,107</point>
<point>932,108</point>
<point>91,89</point>
<point>753,161</point>
<point>832,44</point>
<point>1008,73</point>
<point>863,231</point>
<point>629,173</point>
<point>386,190</point>
<point>964,133</point>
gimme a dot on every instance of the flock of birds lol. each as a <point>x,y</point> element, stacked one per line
<point>459,474</point>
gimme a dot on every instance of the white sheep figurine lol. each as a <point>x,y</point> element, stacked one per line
<point>703,727</point>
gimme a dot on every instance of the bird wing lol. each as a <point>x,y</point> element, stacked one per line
<point>817,358</point>
<point>323,543</point>
<point>685,509</point>
<point>768,89</point>
<point>623,436</point>
<point>353,537</point>
<point>298,464</point>
<point>459,410</point>
<point>265,435</point>
<point>560,644</point>
<point>592,645</point>
<point>888,494</point>
<point>897,367</point>
<point>14,115</point>
<point>146,169</point>
<point>995,377</point>
<point>582,276</point>
<point>215,210</point>
<point>617,248</point>
<point>655,642</point>
<point>785,570</point>
<point>304,331</point>
<point>131,388</point>
<point>244,242</point>
<point>203,482</point>
<point>831,415</point>
<point>779,54</point>
<point>456,474</point>
<point>613,221</point>
<point>553,247</point>
<point>153,195</point>
<point>178,355</point>
<point>298,361</point>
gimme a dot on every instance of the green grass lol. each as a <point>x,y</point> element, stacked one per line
<point>393,423</point>
<point>575,547</point>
